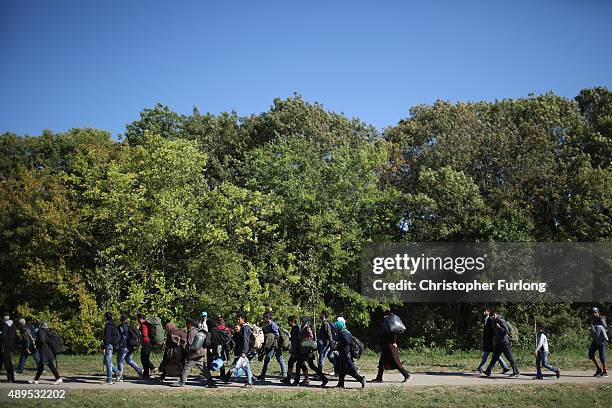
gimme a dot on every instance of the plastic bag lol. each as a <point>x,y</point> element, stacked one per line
<point>393,324</point>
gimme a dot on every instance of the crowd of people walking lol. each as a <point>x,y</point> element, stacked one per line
<point>208,344</point>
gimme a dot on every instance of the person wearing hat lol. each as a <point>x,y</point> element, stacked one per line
<point>8,343</point>
<point>599,338</point>
<point>194,357</point>
<point>202,324</point>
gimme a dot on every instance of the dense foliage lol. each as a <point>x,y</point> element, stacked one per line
<point>270,211</point>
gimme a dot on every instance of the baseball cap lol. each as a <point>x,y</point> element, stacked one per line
<point>595,310</point>
<point>204,314</point>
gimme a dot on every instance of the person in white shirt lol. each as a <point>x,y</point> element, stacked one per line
<point>541,353</point>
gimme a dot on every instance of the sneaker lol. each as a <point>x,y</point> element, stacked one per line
<point>598,372</point>
<point>119,376</point>
<point>407,379</point>
<point>558,373</point>
<point>32,381</point>
<point>477,371</point>
<point>515,375</point>
<point>505,370</point>
<point>604,374</point>
<point>58,381</point>
<point>177,384</point>
<point>486,374</point>
<point>247,385</point>
<point>376,380</point>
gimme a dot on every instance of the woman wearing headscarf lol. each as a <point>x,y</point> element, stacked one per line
<point>172,364</point>
<point>306,354</point>
<point>345,361</point>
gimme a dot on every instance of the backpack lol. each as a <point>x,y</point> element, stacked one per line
<point>56,343</point>
<point>134,337</point>
<point>257,337</point>
<point>284,342</point>
<point>157,334</point>
<point>356,348</point>
<point>512,332</point>
<point>116,338</point>
<point>221,338</point>
<point>198,341</point>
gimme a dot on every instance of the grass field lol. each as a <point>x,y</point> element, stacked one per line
<point>557,396</point>
<point>422,360</point>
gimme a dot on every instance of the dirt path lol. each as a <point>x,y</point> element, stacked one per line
<point>458,379</point>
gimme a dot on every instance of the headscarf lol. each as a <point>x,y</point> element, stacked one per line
<point>341,325</point>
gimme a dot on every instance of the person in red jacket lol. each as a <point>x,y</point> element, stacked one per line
<point>145,349</point>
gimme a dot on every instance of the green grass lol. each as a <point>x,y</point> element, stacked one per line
<point>557,396</point>
<point>416,360</point>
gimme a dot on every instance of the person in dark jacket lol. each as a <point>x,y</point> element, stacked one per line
<point>306,355</point>
<point>501,342</point>
<point>28,345</point>
<point>109,345</point>
<point>389,358</point>
<point>8,343</point>
<point>125,350</point>
<point>194,356</point>
<point>242,348</point>
<point>145,348</point>
<point>487,344</point>
<point>598,342</point>
<point>346,365</point>
<point>325,339</point>
<point>270,330</point>
<point>46,355</point>
<point>294,350</point>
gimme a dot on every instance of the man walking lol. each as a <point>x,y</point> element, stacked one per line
<point>8,342</point>
<point>109,344</point>
<point>28,345</point>
<point>487,344</point>
<point>501,341</point>
<point>599,338</point>
<point>272,329</point>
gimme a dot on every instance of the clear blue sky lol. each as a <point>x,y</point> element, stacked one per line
<point>97,64</point>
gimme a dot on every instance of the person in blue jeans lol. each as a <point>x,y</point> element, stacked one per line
<point>325,340</point>
<point>109,343</point>
<point>272,328</point>
<point>28,345</point>
<point>488,335</point>
<point>125,350</point>
<point>242,349</point>
<point>541,353</point>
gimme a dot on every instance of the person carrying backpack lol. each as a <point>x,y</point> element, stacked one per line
<point>346,365</point>
<point>541,353</point>
<point>172,362</point>
<point>389,358</point>
<point>221,342</point>
<point>28,345</point>
<point>145,348</point>
<point>501,341</point>
<point>487,343</point>
<point>306,354</point>
<point>599,338</point>
<point>271,329</point>
<point>43,344</point>
<point>194,354</point>
<point>127,343</point>
<point>110,343</point>
<point>8,343</point>
<point>325,339</point>
<point>242,349</point>
<point>294,350</point>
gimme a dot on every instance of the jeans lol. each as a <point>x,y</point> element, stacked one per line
<point>542,360</point>
<point>505,349</point>
<point>24,357</point>
<point>125,354</point>
<point>275,351</point>
<point>597,347</point>
<point>108,362</point>
<point>323,349</point>
<point>247,369</point>
<point>485,357</point>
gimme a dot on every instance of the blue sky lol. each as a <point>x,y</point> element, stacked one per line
<point>97,64</point>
